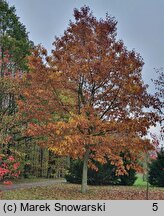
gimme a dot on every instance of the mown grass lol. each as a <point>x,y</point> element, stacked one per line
<point>140,181</point>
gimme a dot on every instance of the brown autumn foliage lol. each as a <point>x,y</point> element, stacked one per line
<point>88,99</point>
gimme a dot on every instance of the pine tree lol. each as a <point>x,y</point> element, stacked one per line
<point>156,172</point>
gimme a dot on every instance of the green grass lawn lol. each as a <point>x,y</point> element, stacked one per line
<point>139,181</point>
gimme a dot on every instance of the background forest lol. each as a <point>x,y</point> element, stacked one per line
<point>15,46</point>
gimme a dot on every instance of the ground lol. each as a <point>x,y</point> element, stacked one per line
<point>66,191</point>
<point>39,189</point>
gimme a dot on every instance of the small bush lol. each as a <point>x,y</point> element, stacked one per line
<point>9,167</point>
<point>128,179</point>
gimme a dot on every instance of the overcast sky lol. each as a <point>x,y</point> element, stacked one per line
<point>140,24</point>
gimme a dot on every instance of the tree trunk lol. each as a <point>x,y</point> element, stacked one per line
<point>41,162</point>
<point>68,161</point>
<point>49,168</point>
<point>85,172</point>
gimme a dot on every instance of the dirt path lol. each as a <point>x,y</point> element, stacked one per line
<point>30,185</point>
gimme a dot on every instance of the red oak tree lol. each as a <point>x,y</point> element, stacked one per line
<point>88,100</point>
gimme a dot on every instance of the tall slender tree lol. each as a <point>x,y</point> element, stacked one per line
<point>159,86</point>
<point>13,39</point>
